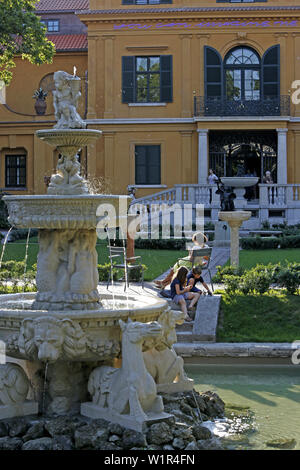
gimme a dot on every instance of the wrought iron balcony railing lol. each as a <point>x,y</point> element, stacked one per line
<point>221,107</point>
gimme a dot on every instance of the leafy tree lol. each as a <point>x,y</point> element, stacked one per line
<point>21,33</point>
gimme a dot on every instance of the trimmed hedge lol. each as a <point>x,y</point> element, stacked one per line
<point>22,233</point>
<point>268,243</point>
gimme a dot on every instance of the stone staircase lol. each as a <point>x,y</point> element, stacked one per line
<point>204,326</point>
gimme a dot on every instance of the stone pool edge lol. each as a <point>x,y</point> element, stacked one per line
<point>237,350</point>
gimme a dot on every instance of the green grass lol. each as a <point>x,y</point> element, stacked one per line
<point>250,258</point>
<point>157,261</point>
<point>272,317</point>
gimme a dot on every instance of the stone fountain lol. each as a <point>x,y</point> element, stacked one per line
<point>228,213</point>
<point>65,331</point>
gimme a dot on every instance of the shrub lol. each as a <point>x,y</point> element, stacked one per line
<point>257,279</point>
<point>134,274</point>
<point>227,270</point>
<point>170,244</point>
<point>104,271</point>
<point>260,278</point>
<point>289,279</point>
<point>232,284</point>
<point>20,234</point>
<point>4,274</point>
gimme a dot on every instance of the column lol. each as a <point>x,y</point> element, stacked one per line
<point>108,76</point>
<point>109,156</point>
<point>282,156</point>
<point>202,156</point>
<point>186,157</point>
<point>186,74</point>
<point>92,76</point>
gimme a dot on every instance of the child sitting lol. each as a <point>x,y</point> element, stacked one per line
<point>193,277</point>
<point>180,292</point>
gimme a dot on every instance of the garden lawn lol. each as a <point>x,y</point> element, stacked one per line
<point>271,317</point>
<point>250,258</point>
<point>157,261</point>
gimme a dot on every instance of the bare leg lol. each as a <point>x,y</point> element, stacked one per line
<point>167,280</point>
<point>194,296</point>
<point>182,304</point>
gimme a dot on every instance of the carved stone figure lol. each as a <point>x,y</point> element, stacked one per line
<point>49,339</point>
<point>67,274</point>
<point>47,261</point>
<point>130,390</point>
<point>65,100</point>
<point>14,384</point>
<point>226,197</point>
<point>161,360</point>
<point>83,263</point>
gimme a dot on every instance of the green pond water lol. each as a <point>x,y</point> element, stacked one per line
<point>267,398</point>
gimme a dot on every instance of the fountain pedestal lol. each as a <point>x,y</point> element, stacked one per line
<point>235,220</point>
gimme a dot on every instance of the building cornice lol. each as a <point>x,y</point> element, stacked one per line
<point>158,10</point>
<point>190,120</point>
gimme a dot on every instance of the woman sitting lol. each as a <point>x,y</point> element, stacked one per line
<point>180,292</point>
<point>200,241</point>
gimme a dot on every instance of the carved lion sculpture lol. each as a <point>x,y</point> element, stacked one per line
<point>160,359</point>
<point>14,384</point>
<point>49,339</point>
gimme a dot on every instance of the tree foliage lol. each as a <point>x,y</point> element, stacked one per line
<point>21,33</point>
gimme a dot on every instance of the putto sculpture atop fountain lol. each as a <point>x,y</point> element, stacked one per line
<point>69,135</point>
<point>65,101</point>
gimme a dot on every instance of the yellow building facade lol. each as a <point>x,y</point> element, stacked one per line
<point>176,88</point>
<point>185,128</point>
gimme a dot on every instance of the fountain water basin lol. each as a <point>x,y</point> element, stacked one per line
<point>239,183</point>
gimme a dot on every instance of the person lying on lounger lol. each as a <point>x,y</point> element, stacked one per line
<point>200,241</point>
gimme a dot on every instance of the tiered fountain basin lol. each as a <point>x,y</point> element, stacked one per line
<point>239,183</point>
<point>94,335</point>
<point>71,212</point>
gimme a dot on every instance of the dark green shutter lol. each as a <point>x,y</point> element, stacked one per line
<point>166,79</point>
<point>271,72</point>
<point>128,79</point>
<point>213,73</point>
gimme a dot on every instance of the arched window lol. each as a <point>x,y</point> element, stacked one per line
<point>242,75</point>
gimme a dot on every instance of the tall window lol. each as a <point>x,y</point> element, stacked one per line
<point>15,171</point>
<point>242,74</point>
<point>147,79</point>
<point>147,164</point>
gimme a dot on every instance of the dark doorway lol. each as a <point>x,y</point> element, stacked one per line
<point>243,152</point>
